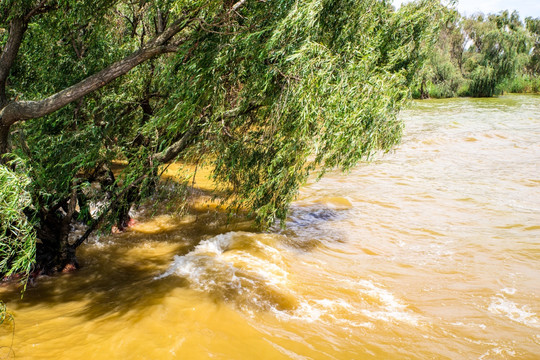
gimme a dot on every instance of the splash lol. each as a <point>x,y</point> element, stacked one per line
<point>389,308</point>
<point>243,268</point>
<point>373,304</point>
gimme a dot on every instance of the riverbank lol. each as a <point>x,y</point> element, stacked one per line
<point>521,85</point>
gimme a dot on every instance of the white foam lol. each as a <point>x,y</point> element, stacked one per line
<point>459,323</point>
<point>499,351</point>
<point>505,307</point>
<point>324,310</point>
<point>305,312</point>
<point>237,266</point>
<point>216,245</point>
<point>249,270</point>
<point>509,291</point>
<point>380,305</point>
<point>392,308</point>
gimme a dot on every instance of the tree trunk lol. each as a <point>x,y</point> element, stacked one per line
<point>423,94</point>
<point>53,253</point>
<point>4,142</point>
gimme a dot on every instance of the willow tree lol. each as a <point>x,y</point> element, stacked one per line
<point>498,41</point>
<point>533,26</point>
<point>263,92</point>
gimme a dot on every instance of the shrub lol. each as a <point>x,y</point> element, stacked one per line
<point>483,82</point>
<point>17,235</point>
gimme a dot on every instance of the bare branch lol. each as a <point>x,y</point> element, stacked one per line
<point>172,151</point>
<point>238,5</point>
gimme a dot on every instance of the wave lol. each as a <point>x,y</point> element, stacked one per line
<point>250,271</point>
<point>239,267</point>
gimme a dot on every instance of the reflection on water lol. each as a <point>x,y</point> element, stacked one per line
<point>430,252</point>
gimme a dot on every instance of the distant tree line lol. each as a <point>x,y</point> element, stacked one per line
<point>481,56</point>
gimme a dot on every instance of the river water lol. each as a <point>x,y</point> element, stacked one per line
<point>429,252</point>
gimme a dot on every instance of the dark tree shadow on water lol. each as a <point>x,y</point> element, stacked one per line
<point>307,227</point>
<point>117,275</point>
<point>107,284</point>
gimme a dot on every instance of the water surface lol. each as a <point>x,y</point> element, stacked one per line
<point>429,252</point>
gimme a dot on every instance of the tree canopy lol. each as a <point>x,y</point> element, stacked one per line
<point>481,56</point>
<point>262,92</point>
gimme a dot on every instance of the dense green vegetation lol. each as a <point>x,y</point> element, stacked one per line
<point>482,56</point>
<point>262,92</point>
<point>17,248</point>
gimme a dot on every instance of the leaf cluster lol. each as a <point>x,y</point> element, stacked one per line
<point>17,235</point>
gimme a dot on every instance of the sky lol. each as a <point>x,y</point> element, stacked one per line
<point>469,7</point>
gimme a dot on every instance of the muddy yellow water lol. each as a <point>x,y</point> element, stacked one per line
<point>429,252</point>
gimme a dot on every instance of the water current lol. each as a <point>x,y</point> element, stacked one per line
<point>429,252</point>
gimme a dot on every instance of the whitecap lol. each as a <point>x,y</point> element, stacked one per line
<point>511,310</point>
<point>325,311</point>
<point>238,267</point>
<point>391,309</point>
<point>509,291</point>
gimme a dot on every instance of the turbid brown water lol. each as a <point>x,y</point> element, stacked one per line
<point>429,252</point>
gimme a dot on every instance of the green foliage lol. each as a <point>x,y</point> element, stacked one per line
<point>440,77</point>
<point>479,56</point>
<point>498,41</point>
<point>522,84</point>
<point>4,314</point>
<point>268,95</point>
<point>445,78</point>
<point>328,97</point>
<point>484,81</point>
<point>533,26</point>
<point>17,235</point>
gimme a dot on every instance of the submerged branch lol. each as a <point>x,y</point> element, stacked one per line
<point>113,205</point>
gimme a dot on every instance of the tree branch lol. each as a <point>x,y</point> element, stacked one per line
<point>39,9</point>
<point>17,27</point>
<point>12,112</point>
<point>176,148</point>
<point>24,110</point>
<point>114,203</point>
<point>238,5</point>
